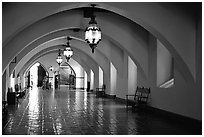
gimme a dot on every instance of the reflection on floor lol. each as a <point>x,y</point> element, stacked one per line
<point>74,112</point>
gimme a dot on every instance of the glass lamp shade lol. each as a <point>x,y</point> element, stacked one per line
<point>68,52</point>
<point>93,36</point>
<point>59,60</point>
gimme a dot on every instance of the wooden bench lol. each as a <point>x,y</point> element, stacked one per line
<point>100,92</point>
<point>20,94</point>
<point>140,98</point>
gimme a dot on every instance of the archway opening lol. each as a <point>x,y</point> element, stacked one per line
<point>41,74</point>
<point>35,75</point>
<point>67,77</point>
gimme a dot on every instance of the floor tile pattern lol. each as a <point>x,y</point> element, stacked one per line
<point>75,112</point>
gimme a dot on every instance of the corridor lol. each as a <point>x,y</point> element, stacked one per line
<point>75,112</point>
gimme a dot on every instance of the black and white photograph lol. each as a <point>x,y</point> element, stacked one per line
<point>101,68</point>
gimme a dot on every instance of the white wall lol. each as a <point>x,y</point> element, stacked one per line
<point>85,80</point>
<point>12,82</point>
<point>113,79</point>
<point>100,77</point>
<point>92,80</point>
<point>79,73</point>
<point>164,64</point>
<point>183,98</point>
<point>132,76</point>
<point>154,14</point>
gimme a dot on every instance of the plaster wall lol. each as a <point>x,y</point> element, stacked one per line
<point>152,16</point>
<point>180,33</point>
<point>115,55</point>
<point>79,73</point>
<point>60,22</point>
<point>113,80</point>
<point>164,64</point>
<point>100,77</point>
<point>92,80</point>
<point>132,76</point>
<point>183,98</point>
<point>12,82</point>
<point>85,80</point>
<point>4,88</point>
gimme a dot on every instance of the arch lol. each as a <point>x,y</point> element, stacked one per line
<point>26,71</point>
<point>51,50</point>
<point>184,67</point>
<point>39,55</point>
<point>79,52</point>
<point>71,68</point>
<point>147,16</point>
<point>82,63</point>
<point>61,46</point>
<point>73,35</point>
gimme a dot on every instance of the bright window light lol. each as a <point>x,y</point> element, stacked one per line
<point>34,74</point>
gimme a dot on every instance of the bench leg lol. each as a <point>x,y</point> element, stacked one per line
<point>128,103</point>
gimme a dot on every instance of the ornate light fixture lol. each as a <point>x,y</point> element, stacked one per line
<point>51,68</point>
<point>68,52</point>
<point>59,58</point>
<point>92,32</point>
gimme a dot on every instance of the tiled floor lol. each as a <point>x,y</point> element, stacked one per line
<point>48,112</point>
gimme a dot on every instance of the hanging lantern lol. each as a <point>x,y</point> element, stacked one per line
<point>59,59</point>
<point>51,68</point>
<point>92,33</point>
<point>68,52</point>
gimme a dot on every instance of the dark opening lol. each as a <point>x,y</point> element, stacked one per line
<point>41,75</point>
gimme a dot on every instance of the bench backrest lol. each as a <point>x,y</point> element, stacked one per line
<point>142,94</point>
